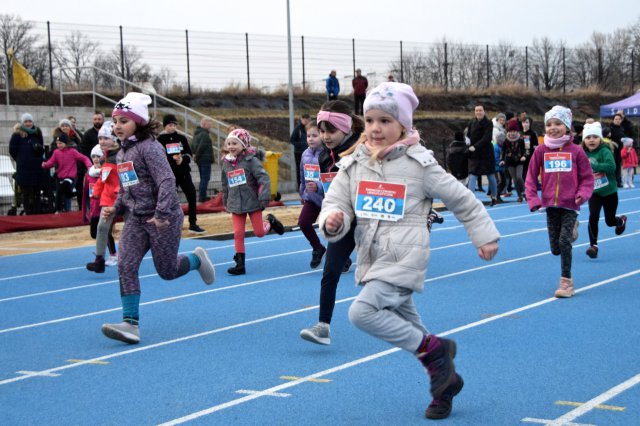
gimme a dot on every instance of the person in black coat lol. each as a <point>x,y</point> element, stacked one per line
<point>480,152</point>
<point>457,161</point>
<point>179,156</point>
<point>26,148</point>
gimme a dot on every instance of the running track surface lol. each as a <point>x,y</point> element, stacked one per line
<point>231,353</point>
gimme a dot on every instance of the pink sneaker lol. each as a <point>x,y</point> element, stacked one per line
<point>565,289</point>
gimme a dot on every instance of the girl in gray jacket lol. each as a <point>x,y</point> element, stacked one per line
<point>388,181</point>
<point>246,190</point>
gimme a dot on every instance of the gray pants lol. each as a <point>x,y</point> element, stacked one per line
<point>102,234</point>
<point>387,312</point>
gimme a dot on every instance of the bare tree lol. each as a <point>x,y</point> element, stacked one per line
<point>164,80</point>
<point>468,66</point>
<point>75,52</point>
<point>507,63</point>
<point>15,37</point>
<point>547,57</point>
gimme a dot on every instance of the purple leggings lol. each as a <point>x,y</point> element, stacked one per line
<point>137,238</point>
<point>308,216</point>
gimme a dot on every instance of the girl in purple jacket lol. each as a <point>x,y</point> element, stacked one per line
<point>312,192</point>
<point>567,182</point>
<point>153,217</point>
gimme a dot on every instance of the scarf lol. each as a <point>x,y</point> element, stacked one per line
<point>379,153</point>
<point>557,143</point>
<point>29,130</point>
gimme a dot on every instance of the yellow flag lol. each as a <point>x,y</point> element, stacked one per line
<point>22,80</point>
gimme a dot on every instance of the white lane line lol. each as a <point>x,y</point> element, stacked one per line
<point>84,286</point>
<point>600,399</point>
<point>266,280</point>
<point>75,268</point>
<point>152,302</point>
<point>546,422</point>
<point>251,392</point>
<point>323,373</point>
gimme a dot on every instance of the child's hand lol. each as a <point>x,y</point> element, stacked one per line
<point>311,187</point>
<point>578,200</point>
<point>107,212</point>
<point>488,251</point>
<point>334,221</point>
<point>472,148</point>
<point>178,159</point>
<point>501,163</point>
<point>159,223</point>
<point>42,165</point>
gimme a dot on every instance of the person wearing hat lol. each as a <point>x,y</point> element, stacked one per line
<point>605,193</point>
<point>65,159</point>
<point>153,216</point>
<point>105,191</point>
<point>388,181</point>
<point>333,86</point>
<point>26,148</point>
<point>179,156</point>
<point>512,156</point>
<point>359,84</point>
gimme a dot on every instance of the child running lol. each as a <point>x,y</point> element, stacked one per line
<point>388,182</point>
<point>311,192</point>
<point>153,217</point>
<point>605,192</point>
<point>339,130</point>
<point>567,182</point>
<point>105,191</point>
<point>245,191</point>
<point>629,162</point>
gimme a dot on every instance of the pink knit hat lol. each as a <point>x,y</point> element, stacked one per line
<point>242,136</point>
<point>134,107</point>
<point>396,99</point>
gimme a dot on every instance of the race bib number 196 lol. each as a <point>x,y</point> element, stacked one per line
<point>557,162</point>
<point>380,200</point>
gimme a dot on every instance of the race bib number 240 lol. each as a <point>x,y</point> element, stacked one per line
<point>380,200</point>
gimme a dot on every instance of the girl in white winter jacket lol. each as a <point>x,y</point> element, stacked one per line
<point>388,181</point>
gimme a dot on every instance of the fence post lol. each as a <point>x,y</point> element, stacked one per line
<point>246,42</point>
<point>353,54</point>
<point>124,87</point>
<point>50,60</point>
<point>446,69</point>
<point>564,72</point>
<point>526,66</point>
<point>401,64</point>
<point>488,69</point>
<point>186,33</point>
<point>303,77</point>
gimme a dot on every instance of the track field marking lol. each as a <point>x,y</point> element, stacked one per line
<point>276,394</point>
<point>312,380</point>
<point>90,362</point>
<point>266,280</point>
<point>599,407</point>
<point>566,418</point>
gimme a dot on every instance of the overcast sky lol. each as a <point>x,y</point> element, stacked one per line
<point>465,21</point>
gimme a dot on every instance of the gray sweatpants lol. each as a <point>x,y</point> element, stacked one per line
<point>137,238</point>
<point>387,312</point>
<point>102,234</point>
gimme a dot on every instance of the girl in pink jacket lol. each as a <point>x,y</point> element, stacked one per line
<point>566,178</point>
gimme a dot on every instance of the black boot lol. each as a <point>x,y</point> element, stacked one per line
<point>97,265</point>
<point>239,268</point>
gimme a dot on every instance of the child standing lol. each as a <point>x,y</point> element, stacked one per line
<point>91,205</point>
<point>629,162</point>
<point>567,182</point>
<point>311,192</point>
<point>153,217</point>
<point>457,160</point>
<point>605,193</point>
<point>245,191</point>
<point>513,156</point>
<point>339,130</point>
<point>105,191</point>
<point>389,182</point>
<point>64,159</point>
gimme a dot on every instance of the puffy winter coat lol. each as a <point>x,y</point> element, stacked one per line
<point>310,156</point>
<point>398,252</point>
<point>255,192</point>
<point>27,151</point>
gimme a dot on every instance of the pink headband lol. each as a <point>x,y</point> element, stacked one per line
<point>340,121</point>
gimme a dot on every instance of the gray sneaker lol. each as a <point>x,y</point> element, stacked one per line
<point>319,334</point>
<point>125,332</point>
<point>207,270</point>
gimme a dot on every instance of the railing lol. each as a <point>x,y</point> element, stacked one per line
<point>190,115</point>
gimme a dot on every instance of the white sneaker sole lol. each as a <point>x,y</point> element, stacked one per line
<point>310,337</point>
<point>207,269</point>
<point>123,336</point>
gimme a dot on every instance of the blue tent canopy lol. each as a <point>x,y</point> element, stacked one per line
<point>630,106</point>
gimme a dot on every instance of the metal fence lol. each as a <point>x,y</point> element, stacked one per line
<point>192,61</point>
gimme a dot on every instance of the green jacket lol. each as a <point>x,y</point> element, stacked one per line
<point>201,146</point>
<point>604,170</point>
